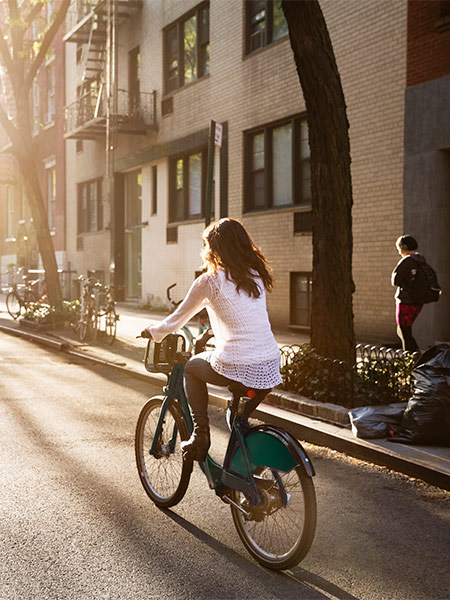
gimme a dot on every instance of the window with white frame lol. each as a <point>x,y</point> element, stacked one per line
<point>36,108</point>
<point>51,93</point>
<point>51,195</point>
<point>11,212</point>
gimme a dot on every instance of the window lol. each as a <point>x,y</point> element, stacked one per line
<point>154,208</point>
<point>301,291</point>
<point>277,170</point>
<point>187,186</point>
<point>186,49</point>
<point>36,108</point>
<point>134,79</point>
<point>264,23</point>
<point>51,196</point>
<point>11,212</point>
<point>90,213</point>
<point>51,89</point>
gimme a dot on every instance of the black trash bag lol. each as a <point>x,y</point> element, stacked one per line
<point>376,421</point>
<point>427,417</point>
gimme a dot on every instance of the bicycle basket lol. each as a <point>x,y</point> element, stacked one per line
<point>161,356</point>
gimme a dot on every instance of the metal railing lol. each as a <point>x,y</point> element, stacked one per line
<point>77,11</point>
<point>379,376</point>
<point>135,112</point>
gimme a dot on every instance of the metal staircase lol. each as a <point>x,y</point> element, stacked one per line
<point>88,25</point>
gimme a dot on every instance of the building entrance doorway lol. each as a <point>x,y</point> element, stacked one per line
<point>133,226</point>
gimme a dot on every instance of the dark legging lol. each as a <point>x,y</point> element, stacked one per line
<point>404,332</point>
<point>406,314</point>
<point>197,373</point>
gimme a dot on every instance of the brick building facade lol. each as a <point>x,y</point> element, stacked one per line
<point>231,62</point>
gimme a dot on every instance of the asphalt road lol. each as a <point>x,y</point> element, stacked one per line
<point>76,523</point>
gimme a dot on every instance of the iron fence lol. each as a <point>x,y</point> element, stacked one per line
<point>380,375</point>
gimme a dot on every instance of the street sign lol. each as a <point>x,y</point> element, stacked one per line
<point>218,135</point>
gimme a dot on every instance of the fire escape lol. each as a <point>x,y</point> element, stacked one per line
<point>102,108</point>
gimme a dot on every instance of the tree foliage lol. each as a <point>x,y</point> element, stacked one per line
<point>22,53</point>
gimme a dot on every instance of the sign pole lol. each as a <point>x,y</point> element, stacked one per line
<point>210,173</point>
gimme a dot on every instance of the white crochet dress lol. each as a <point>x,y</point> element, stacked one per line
<point>246,350</point>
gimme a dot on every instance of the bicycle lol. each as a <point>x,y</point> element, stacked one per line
<point>20,296</point>
<point>203,325</point>
<point>86,323</point>
<point>266,476</point>
<point>106,313</point>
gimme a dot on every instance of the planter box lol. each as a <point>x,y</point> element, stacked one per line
<point>36,326</point>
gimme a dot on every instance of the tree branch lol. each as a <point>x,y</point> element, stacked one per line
<point>13,26</point>
<point>4,52</point>
<point>48,38</point>
<point>34,12</point>
<point>8,126</point>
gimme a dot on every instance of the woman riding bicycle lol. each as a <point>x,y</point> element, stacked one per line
<point>233,290</point>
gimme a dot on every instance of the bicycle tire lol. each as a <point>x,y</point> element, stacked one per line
<point>95,323</point>
<point>165,477</point>
<point>278,536</point>
<point>83,325</point>
<point>111,325</point>
<point>13,304</point>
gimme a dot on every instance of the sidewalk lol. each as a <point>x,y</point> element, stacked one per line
<point>315,422</point>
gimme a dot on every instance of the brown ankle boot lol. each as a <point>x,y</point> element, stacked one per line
<point>197,446</point>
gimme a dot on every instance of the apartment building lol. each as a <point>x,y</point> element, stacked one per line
<point>144,78</point>
<point>427,151</point>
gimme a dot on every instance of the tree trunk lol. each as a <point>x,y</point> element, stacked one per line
<point>36,202</point>
<point>332,332</point>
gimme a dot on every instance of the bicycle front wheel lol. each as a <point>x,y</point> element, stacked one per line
<point>84,325</point>
<point>279,532</point>
<point>13,304</point>
<point>110,326</point>
<point>164,475</point>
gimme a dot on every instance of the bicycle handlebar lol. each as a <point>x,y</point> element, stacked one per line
<point>169,297</point>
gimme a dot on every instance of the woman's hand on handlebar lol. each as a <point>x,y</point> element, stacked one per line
<point>145,333</point>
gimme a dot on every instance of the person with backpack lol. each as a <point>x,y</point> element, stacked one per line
<point>417,285</point>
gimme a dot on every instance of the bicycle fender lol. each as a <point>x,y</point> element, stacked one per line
<point>274,448</point>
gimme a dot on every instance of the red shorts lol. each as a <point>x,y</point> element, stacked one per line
<point>406,314</point>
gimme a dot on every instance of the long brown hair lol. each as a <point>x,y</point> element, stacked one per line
<point>227,245</point>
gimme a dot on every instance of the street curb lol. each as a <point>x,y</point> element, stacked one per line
<point>36,337</point>
<point>324,428</point>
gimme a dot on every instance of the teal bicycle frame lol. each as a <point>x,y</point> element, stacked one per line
<point>248,447</point>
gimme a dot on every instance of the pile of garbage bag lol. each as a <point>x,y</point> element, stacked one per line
<point>425,418</point>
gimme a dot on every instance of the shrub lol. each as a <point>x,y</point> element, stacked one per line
<point>46,314</point>
<point>376,378</point>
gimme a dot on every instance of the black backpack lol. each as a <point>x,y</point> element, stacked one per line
<point>424,287</point>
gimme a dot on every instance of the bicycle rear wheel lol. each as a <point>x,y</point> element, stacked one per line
<point>279,533</point>
<point>13,304</point>
<point>165,476</point>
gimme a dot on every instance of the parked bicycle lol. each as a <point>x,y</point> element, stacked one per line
<point>266,476</point>
<point>87,319</point>
<point>203,326</point>
<point>106,315</point>
<point>20,296</point>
